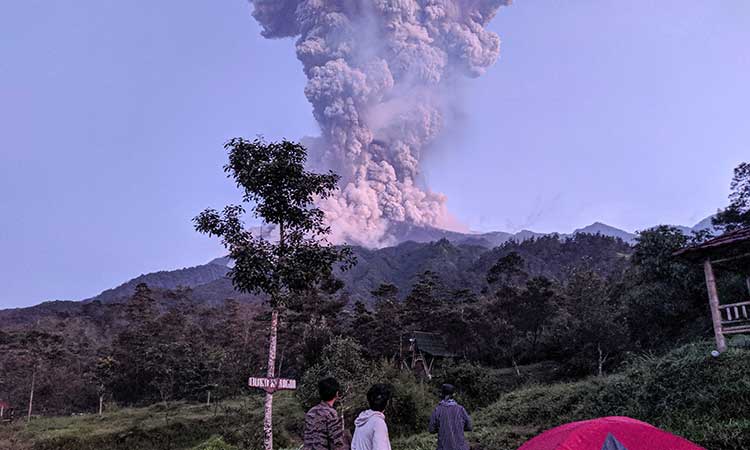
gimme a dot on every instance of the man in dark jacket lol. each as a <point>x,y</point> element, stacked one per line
<point>324,429</point>
<point>449,421</point>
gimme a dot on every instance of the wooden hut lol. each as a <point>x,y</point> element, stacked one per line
<point>422,349</point>
<point>728,252</point>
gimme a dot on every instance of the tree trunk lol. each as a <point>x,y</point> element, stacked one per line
<point>515,366</point>
<point>101,404</point>
<point>31,396</point>
<point>208,401</point>
<point>713,300</point>
<point>268,409</point>
<point>268,406</point>
<point>602,360</point>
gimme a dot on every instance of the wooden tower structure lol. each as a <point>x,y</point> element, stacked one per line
<point>728,252</point>
<point>420,349</point>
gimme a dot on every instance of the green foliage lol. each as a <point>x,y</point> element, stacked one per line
<point>411,404</point>
<point>422,441</point>
<point>477,385</point>
<point>687,392</point>
<point>158,358</point>
<point>379,331</point>
<point>342,359</point>
<point>508,270</point>
<point>663,296</point>
<point>502,437</point>
<point>737,214</point>
<point>242,422</point>
<point>594,326</point>
<point>273,179</point>
<point>214,443</point>
<point>227,426</point>
<point>155,428</point>
<point>421,305</point>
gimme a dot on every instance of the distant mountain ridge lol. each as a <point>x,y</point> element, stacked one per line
<point>419,249</point>
<point>189,277</point>
<point>209,280</point>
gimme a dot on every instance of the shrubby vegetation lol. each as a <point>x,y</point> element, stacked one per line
<point>686,391</point>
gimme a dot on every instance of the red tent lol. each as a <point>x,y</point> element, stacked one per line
<point>608,433</point>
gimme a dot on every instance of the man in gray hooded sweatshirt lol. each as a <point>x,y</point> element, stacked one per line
<point>371,432</point>
<point>449,421</point>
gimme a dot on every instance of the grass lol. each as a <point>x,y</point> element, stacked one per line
<point>180,426</point>
<point>687,392</point>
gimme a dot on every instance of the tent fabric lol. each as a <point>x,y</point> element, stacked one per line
<point>629,433</point>
<point>612,444</point>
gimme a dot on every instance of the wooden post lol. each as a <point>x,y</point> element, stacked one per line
<point>208,401</point>
<point>31,396</point>
<point>268,408</point>
<point>101,404</point>
<point>713,300</point>
<point>2,410</point>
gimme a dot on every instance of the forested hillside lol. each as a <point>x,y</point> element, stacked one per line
<point>580,303</point>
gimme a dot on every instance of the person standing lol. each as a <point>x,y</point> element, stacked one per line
<point>324,430</point>
<point>449,420</point>
<point>371,432</point>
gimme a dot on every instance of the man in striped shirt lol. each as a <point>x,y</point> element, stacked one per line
<point>449,421</point>
<point>324,429</point>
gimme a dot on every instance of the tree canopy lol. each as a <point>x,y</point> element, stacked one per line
<point>737,214</point>
<point>272,177</point>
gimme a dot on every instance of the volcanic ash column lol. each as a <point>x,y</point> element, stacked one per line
<point>379,72</point>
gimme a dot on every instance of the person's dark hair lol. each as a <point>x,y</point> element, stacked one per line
<point>328,388</point>
<point>447,390</point>
<point>378,397</point>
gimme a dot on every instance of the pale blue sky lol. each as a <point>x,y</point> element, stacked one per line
<point>112,117</point>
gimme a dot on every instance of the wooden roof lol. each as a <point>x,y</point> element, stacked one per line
<point>432,344</point>
<point>734,244</point>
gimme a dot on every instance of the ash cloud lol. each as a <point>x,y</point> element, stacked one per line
<point>379,72</point>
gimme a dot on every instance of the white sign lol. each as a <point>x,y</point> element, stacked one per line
<point>272,384</point>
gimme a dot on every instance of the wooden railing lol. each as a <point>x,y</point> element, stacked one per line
<point>735,318</point>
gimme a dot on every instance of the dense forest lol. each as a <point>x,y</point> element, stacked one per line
<point>582,302</point>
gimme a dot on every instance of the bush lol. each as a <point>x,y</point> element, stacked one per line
<point>343,360</point>
<point>412,402</point>
<point>214,443</point>
<point>687,392</point>
<point>479,386</point>
<point>411,406</point>
<point>421,441</point>
<point>242,425</point>
<point>501,437</point>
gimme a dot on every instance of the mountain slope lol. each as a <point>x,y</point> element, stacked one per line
<point>189,277</point>
<point>606,230</point>
<point>419,251</point>
<point>455,256</point>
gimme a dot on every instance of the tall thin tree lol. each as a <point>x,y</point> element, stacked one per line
<point>273,179</point>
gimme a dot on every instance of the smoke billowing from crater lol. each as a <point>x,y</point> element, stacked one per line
<point>379,72</point>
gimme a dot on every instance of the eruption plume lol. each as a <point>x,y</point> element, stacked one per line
<point>379,72</point>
